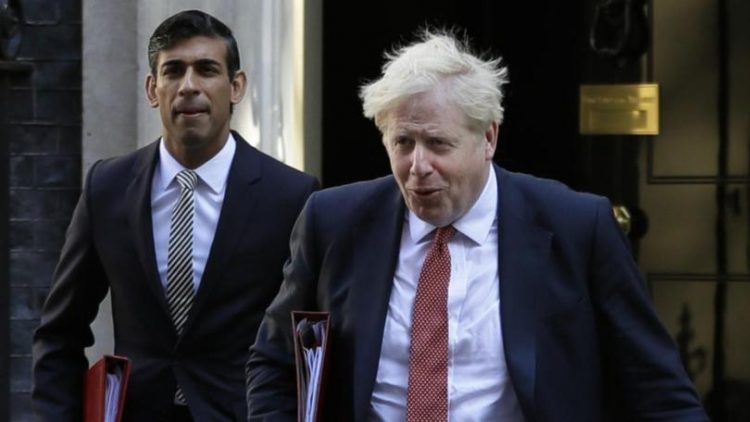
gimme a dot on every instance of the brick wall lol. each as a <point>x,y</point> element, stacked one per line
<point>44,144</point>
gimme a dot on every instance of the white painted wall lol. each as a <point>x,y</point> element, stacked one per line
<point>110,87</point>
<point>110,80</point>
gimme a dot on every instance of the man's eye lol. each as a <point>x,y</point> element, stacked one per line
<point>438,142</point>
<point>402,140</point>
<point>170,71</point>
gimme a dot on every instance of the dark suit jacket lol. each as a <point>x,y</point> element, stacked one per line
<point>582,342</point>
<point>110,246</point>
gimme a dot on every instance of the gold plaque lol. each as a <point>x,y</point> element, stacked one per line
<point>619,109</point>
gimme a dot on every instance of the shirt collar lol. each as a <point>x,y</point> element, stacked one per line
<point>213,172</point>
<point>475,224</point>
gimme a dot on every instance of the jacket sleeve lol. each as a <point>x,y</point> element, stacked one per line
<point>78,286</point>
<point>650,382</point>
<point>270,372</point>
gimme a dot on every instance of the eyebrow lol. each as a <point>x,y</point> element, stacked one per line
<point>199,62</point>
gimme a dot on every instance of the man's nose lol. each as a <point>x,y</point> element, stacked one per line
<point>189,84</point>
<point>421,164</point>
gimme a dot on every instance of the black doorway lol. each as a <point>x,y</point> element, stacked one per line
<point>540,45</point>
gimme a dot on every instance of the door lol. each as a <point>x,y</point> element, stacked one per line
<point>693,185</point>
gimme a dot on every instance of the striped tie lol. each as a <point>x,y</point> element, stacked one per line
<point>180,289</point>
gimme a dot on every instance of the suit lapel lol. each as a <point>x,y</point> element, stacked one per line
<point>236,211</point>
<point>376,242</point>
<point>523,248</point>
<point>138,203</point>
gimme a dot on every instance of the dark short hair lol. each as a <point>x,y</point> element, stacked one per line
<point>188,24</point>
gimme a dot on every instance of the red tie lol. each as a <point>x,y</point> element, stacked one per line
<point>427,397</point>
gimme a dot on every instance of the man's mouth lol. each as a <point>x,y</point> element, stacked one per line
<point>424,192</point>
<point>191,111</point>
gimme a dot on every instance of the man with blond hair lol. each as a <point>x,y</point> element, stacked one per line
<point>458,290</point>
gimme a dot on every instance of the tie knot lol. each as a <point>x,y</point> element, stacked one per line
<point>187,179</point>
<point>444,234</point>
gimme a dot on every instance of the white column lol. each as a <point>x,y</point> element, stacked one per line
<point>110,84</point>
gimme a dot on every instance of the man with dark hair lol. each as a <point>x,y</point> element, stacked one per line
<point>188,234</point>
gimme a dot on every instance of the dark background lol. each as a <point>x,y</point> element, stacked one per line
<point>544,45</point>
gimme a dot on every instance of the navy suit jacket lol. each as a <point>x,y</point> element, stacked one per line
<point>110,246</point>
<point>582,341</point>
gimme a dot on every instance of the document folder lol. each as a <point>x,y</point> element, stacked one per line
<point>105,385</point>
<point>312,336</point>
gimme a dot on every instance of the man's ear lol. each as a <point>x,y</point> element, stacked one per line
<point>490,140</point>
<point>239,84</point>
<point>150,86</point>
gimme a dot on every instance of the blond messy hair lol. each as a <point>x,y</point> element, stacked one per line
<point>438,57</point>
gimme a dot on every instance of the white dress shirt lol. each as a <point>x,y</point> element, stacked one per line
<point>208,195</point>
<point>479,388</point>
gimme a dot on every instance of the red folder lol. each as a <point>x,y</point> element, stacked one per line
<point>305,382</point>
<point>95,387</point>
